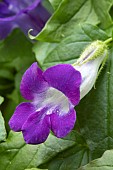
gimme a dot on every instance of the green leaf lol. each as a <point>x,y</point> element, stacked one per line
<point>15,46</point>
<point>15,153</point>
<point>70,48</point>
<point>48,6</point>
<point>72,157</point>
<point>6,73</point>
<point>41,55</point>
<point>15,55</point>
<point>1,100</point>
<point>35,169</point>
<point>2,128</point>
<point>66,18</point>
<point>6,79</point>
<point>103,163</point>
<point>102,10</point>
<point>71,13</point>
<point>55,3</point>
<point>2,124</point>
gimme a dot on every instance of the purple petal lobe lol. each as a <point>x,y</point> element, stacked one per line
<point>22,4</point>
<point>20,115</point>
<point>4,11</point>
<point>33,83</point>
<point>15,13</point>
<point>66,79</point>
<point>61,125</point>
<point>35,18</point>
<point>40,12</point>
<point>33,22</point>
<point>37,127</point>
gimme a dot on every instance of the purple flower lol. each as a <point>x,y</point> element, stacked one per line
<point>25,14</point>
<point>53,95</point>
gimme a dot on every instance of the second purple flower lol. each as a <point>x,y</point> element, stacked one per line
<point>25,14</point>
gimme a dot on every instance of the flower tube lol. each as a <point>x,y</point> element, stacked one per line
<point>89,63</point>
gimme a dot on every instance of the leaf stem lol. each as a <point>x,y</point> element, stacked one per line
<point>108,41</point>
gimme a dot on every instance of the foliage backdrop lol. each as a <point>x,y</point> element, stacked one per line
<point>73,25</point>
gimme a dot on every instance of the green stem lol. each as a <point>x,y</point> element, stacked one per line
<point>108,41</point>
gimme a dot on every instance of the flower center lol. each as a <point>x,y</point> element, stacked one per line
<point>54,100</point>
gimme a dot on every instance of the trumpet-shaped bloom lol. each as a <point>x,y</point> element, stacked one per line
<point>53,95</point>
<point>25,14</point>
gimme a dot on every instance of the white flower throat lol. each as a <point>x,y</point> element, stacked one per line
<point>53,99</point>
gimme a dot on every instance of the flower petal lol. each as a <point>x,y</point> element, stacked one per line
<point>6,23</point>
<point>35,18</point>
<point>33,83</point>
<point>31,4</point>
<point>20,115</point>
<point>20,5</point>
<point>14,14</point>
<point>66,79</point>
<point>37,127</point>
<point>41,13</point>
<point>35,24</point>
<point>3,9</point>
<point>61,125</point>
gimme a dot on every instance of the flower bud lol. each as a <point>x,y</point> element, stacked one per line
<point>89,65</point>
